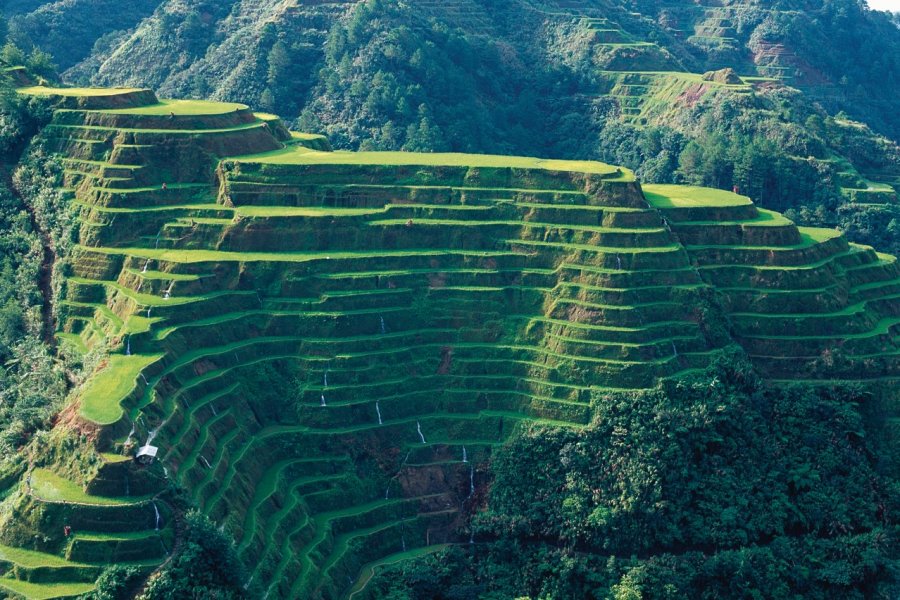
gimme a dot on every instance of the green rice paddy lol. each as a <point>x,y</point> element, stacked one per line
<point>181,108</point>
<point>50,487</point>
<point>101,397</point>
<point>673,196</point>
<point>74,92</point>
<point>303,156</point>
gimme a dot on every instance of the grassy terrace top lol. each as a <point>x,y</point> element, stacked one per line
<point>40,90</point>
<point>304,156</point>
<point>181,108</point>
<point>686,196</point>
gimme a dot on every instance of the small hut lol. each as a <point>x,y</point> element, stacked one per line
<point>146,454</point>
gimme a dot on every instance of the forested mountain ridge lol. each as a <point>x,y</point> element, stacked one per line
<point>835,50</point>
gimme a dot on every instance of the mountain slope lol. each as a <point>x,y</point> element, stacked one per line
<point>632,83</point>
<point>72,28</point>
<point>326,348</point>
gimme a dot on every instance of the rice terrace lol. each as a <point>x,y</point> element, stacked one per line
<point>428,303</point>
<point>297,370</point>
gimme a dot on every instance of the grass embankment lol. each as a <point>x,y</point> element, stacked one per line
<point>32,560</point>
<point>44,591</point>
<point>138,130</point>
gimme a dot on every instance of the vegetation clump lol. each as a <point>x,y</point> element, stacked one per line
<point>708,487</point>
<point>727,76</point>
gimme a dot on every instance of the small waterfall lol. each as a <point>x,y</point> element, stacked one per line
<point>403,542</point>
<point>128,346</point>
<point>387,491</point>
<point>378,410</point>
<point>323,400</point>
<point>471,482</point>
<point>146,266</point>
<point>618,262</point>
<point>145,379</point>
<point>214,411</point>
<point>419,429</point>
<point>383,328</point>
<point>325,377</point>
<point>168,293</point>
<point>465,456</point>
<point>165,471</point>
<point>156,511</point>
<point>206,462</point>
<point>152,436</point>
<point>674,349</point>
<point>249,581</point>
<point>259,298</point>
<point>471,536</point>
<point>157,240</point>
<point>131,433</point>
<point>149,308</point>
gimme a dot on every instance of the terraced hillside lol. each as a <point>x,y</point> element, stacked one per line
<point>326,346</point>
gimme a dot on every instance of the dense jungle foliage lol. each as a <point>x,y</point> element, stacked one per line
<point>204,567</point>
<point>710,487</point>
<point>32,382</point>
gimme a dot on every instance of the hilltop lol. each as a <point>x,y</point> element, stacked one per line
<point>338,354</point>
